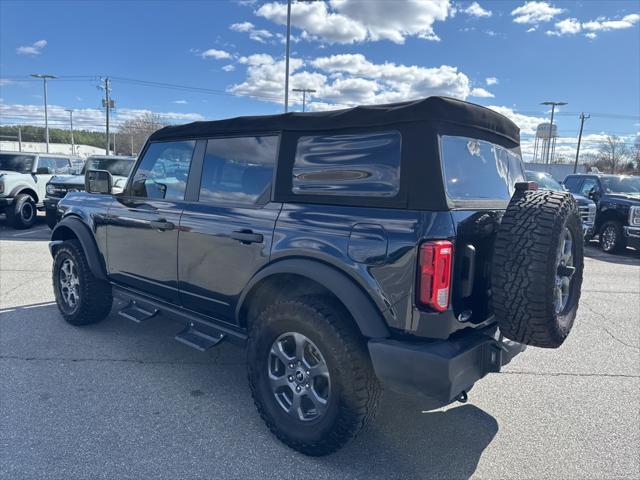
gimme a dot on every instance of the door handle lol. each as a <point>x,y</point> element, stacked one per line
<point>247,236</point>
<point>161,225</point>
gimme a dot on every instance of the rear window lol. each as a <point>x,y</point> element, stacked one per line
<point>478,170</point>
<point>359,164</point>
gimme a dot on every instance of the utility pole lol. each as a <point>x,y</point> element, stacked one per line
<point>19,138</point>
<point>286,75</point>
<point>583,117</point>
<point>553,108</point>
<point>114,143</point>
<point>45,77</point>
<point>73,145</point>
<point>108,104</point>
<point>304,94</point>
<point>132,144</point>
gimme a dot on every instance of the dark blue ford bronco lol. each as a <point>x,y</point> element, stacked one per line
<point>392,246</point>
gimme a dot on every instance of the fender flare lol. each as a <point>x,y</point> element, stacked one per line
<point>25,186</point>
<point>367,316</point>
<point>87,241</point>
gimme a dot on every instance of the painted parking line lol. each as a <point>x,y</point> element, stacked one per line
<point>30,232</point>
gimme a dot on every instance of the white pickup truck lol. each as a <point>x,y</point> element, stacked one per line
<point>23,180</point>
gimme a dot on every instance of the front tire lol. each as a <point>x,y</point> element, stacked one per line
<point>310,374</point>
<point>22,214</point>
<point>612,237</point>
<point>81,297</point>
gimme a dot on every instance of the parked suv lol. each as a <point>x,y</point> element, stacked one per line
<point>618,207</point>
<point>586,206</point>
<point>390,246</point>
<point>23,177</point>
<point>118,166</point>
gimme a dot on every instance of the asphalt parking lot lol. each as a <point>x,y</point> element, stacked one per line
<point>120,400</point>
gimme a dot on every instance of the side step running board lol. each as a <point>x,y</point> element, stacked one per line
<point>197,339</point>
<point>136,313</point>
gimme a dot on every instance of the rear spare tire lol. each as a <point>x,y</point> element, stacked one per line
<point>537,268</point>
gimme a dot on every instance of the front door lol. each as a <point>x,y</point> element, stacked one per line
<point>225,236</point>
<point>142,230</point>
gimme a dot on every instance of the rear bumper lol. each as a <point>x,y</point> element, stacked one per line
<point>442,369</point>
<point>632,235</point>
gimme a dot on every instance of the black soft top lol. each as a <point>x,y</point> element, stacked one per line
<point>438,109</point>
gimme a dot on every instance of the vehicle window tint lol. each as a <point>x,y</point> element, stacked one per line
<point>588,184</point>
<point>572,183</point>
<point>359,164</point>
<point>238,170</point>
<point>63,166</point>
<point>163,172</point>
<point>479,170</point>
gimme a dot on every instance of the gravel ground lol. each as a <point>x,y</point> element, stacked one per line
<point>119,400</point>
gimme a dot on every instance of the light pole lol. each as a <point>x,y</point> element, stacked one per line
<point>304,94</point>
<point>286,60</point>
<point>583,117</point>
<point>73,145</point>
<point>45,77</point>
<point>553,108</point>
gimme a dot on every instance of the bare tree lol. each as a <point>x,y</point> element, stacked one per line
<point>612,153</point>
<point>134,132</point>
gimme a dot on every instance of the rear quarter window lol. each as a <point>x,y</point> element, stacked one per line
<point>479,170</point>
<point>358,164</point>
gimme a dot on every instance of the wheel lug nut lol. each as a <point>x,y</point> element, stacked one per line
<point>308,373</point>
<point>291,378</point>
<point>298,389</point>
<point>291,365</point>
<point>306,386</point>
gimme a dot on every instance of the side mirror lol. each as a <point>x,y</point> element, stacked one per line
<point>43,171</point>
<point>98,181</point>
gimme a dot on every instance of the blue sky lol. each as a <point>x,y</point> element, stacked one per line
<point>510,55</point>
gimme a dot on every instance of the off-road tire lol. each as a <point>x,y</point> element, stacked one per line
<point>355,388</point>
<point>95,295</point>
<point>23,213</point>
<point>617,243</point>
<point>525,265</point>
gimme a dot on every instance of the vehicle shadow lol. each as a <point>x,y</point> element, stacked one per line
<point>404,441</point>
<point>628,257</point>
<point>39,232</point>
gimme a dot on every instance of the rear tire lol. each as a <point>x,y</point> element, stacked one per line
<point>22,214</point>
<point>350,390</point>
<point>612,237</point>
<point>537,268</point>
<point>81,297</point>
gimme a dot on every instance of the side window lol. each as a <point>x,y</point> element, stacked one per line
<point>588,184</point>
<point>572,183</point>
<point>56,165</point>
<point>47,162</point>
<point>63,166</point>
<point>163,172</point>
<point>359,164</point>
<point>238,170</point>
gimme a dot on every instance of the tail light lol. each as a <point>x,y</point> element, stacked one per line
<point>434,279</point>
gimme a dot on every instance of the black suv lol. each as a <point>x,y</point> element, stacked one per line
<point>347,250</point>
<point>618,207</point>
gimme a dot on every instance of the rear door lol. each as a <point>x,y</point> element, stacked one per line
<point>142,231</point>
<point>225,236</point>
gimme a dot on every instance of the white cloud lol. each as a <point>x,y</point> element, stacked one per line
<point>34,49</point>
<point>475,10</point>
<point>532,29</point>
<point>180,102</point>
<point>491,81</point>
<point>5,81</point>
<point>351,79</point>
<point>353,21</point>
<point>481,93</point>
<point>572,26</point>
<point>229,68</point>
<point>259,35</point>
<point>568,26</point>
<point>527,124</point>
<point>217,54</point>
<point>83,118</point>
<point>535,12</point>
<point>605,24</point>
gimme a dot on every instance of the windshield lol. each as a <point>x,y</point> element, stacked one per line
<point>545,182</point>
<point>626,185</point>
<point>479,170</point>
<point>16,163</point>
<point>115,166</point>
